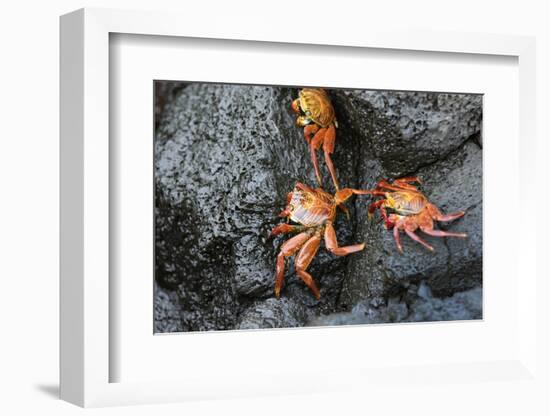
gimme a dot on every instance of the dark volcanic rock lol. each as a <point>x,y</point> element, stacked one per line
<point>167,311</point>
<point>165,92</point>
<point>225,158</point>
<point>275,313</point>
<point>453,182</point>
<point>461,306</point>
<point>407,130</point>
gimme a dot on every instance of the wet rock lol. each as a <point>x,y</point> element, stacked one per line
<point>407,130</point>
<point>453,184</point>
<point>451,171</point>
<point>275,313</point>
<point>225,158</point>
<point>461,306</point>
<point>465,305</point>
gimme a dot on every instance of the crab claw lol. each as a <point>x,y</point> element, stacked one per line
<point>391,221</point>
<point>280,229</point>
<point>284,213</point>
<point>388,225</point>
<point>296,106</point>
<point>302,121</point>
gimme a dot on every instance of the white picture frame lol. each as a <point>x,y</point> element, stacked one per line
<point>85,221</point>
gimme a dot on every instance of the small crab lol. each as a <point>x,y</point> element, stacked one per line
<point>314,210</point>
<point>316,115</point>
<point>412,210</point>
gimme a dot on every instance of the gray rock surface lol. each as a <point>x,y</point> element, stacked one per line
<point>275,313</point>
<point>408,130</point>
<point>465,305</point>
<point>451,171</point>
<point>167,312</point>
<point>165,93</point>
<point>225,158</point>
<point>453,184</point>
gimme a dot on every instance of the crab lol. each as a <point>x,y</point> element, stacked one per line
<point>412,210</point>
<point>314,211</point>
<point>316,115</point>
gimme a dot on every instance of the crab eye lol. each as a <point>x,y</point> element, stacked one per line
<point>308,113</point>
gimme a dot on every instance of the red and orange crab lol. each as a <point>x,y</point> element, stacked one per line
<point>314,210</point>
<point>316,115</point>
<point>412,210</point>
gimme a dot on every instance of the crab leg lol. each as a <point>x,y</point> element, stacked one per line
<point>343,195</point>
<point>401,184</point>
<point>345,210</point>
<point>440,233</point>
<point>397,238</point>
<point>332,243</point>
<point>449,217</point>
<point>436,214</point>
<point>394,187</point>
<point>409,179</point>
<point>406,182</point>
<point>418,239</point>
<point>314,145</point>
<point>289,248</point>
<point>315,164</point>
<point>328,148</point>
<point>309,132</point>
<point>303,260</point>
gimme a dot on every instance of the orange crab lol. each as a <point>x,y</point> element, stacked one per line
<point>316,115</point>
<point>314,210</point>
<point>412,210</point>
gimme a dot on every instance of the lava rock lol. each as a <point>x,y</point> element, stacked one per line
<point>167,313</point>
<point>406,130</point>
<point>225,158</point>
<point>453,184</point>
<point>275,313</point>
<point>465,305</point>
<point>451,172</point>
<point>165,92</point>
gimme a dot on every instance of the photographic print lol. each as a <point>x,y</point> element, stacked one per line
<point>285,207</point>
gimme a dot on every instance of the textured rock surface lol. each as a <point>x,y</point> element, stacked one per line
<point>275,313</point>
<point>165,93</point>
<point>226,156</point>
<point>451,171</point>
<point>460,306</point>
<point>167,312</point>
<point>408,130</point>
